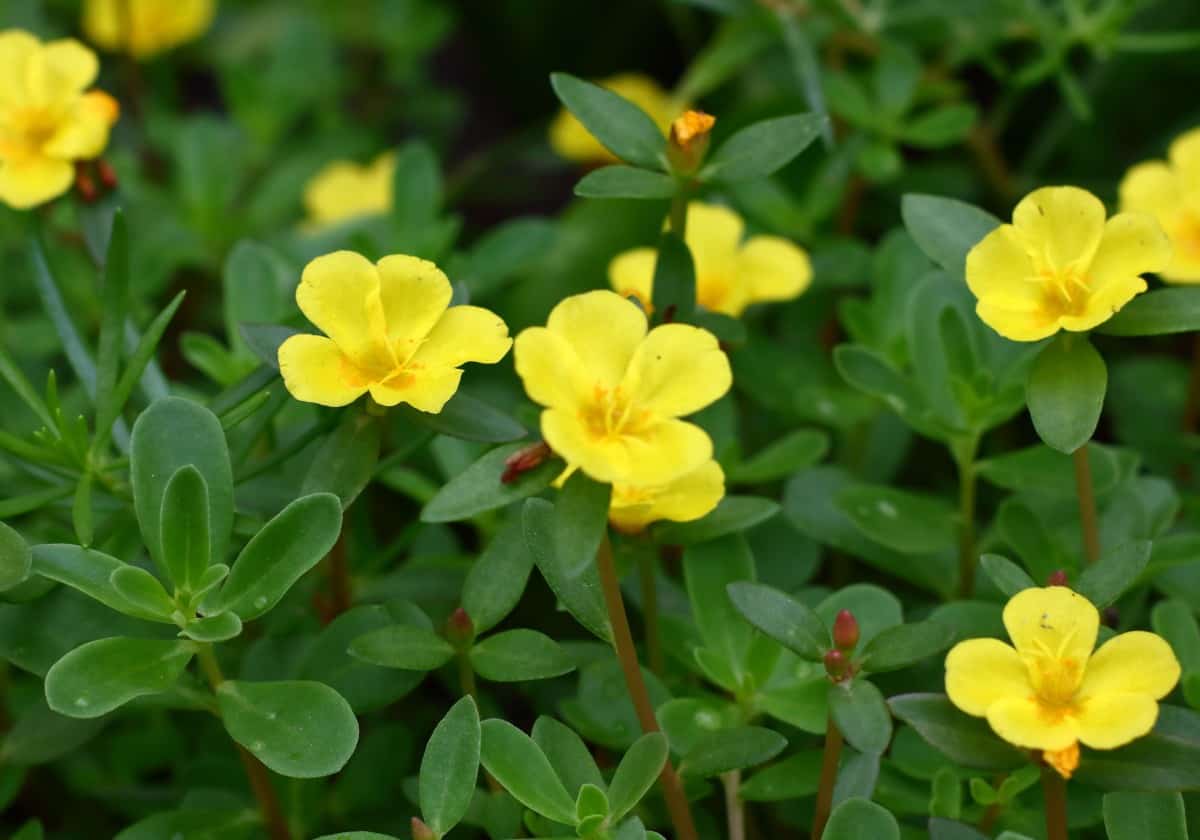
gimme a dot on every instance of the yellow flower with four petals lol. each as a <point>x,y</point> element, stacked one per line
<point>391,332</point>
<point>613,393</point>
<point>48,117</point>
<point>730,274</point>
<point>146,27</point>
<point>344,190</point>
<point>1060,265</point>
<point>1170,191</point>
<point>1051,691</point>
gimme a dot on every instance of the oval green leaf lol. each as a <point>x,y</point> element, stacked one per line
<point>103,675</point>
<point>450,767</point>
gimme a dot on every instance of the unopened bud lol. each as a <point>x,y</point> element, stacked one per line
<point>460,630</point>
<point>845,631</point>
<point>420,831</point>
<point>688,143</point>
<point>1058,578</point>
<point>524,460</point>
<point>108,175</point>
<point>85,186</point>
<point>837,666</point>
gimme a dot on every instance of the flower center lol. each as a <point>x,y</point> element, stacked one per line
<point>712,291</point>
<point>1055,676</point>
<point>26,131</point>
<point>611,413</point>
<point>1065,291</point>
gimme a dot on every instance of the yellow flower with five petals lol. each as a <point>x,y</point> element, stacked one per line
<point>1060,265</point>
<point>730,274</point>
<point>1170,191</point>
<point>686,498</point>
<point>390,331</point>
<point>48,118</point>
<point>146,27</point>
<point>613,393</point>
<point>344,190</point>
<point>1051,691</point>
<point>572,141</point>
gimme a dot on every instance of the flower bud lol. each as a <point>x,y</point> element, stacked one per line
<point>524,460</point>
<point>845,631</point>
<point>688,142</point>
<point>420,831</point>
<point>837,666</point>
<point>108,175</point>
<point>1058,578</point>
<point>460,630</point>
<point>85,185</point>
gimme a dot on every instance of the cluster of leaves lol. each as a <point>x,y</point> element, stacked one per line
<point>214,597</point>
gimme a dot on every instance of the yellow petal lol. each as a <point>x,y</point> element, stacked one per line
<point>549,369</point>
<point>1112,720</point>
<point>344,190</point>
<point>1060,226</point>
<point>32,181</point>
<point>1133,244</point>
<point>339,293</point>
<point>980,672</point>
<point>71,67</point>
<point>1017,324</point>
<point>631,274</point>
<point>1052,620</point>
<point>16,48</point>
<point>660,454</point>
<point>678,369</point>
<point>773,268</point>
<point>1136,662</point>
<point>1184,155</point>
<point>714,235</point>
<point>425,390</point>
<point>603,329</point>
<point>83,134</point>
<point>685,499</point>
<point>315,371</point>
<point>1150,188</point>
<point>1000,271</point>
<point>415,295</point>
<point>465,334</point>
<point>1026,723</point>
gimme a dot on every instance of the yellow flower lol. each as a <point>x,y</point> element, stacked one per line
<point>1059,265</point>
<point>390,333</point>
<point>613,392</point>
<point>572,141</point>
<point>146,27</point>
<point>1053,690</point>
<point>47,120</point>
<point>344,190</point>
<point>730,274</point>
<point>688,497</point>
<point>1170,191</point>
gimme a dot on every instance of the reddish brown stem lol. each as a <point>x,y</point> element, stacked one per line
<point>1054,787</point>
<point>1087,504</point>
<point>829,768</point>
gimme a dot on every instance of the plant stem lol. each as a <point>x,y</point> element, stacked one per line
<point>1054,787</point>
<point>735,814</point>
<point>679,208</point>
<point>256,773</point>
<point>829,767</point>
<point>648,574</point>
<point>466,676</point>
<point>1087,504</point>
<point>966,537</point>
<point>339,575</point>
<point>1191,407</point>
<point>677,804</point>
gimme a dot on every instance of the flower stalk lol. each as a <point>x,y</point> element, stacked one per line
<point>829,767</point>
<point>1054,787</point>
<point>1087,504</point>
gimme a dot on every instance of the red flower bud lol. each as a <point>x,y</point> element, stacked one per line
<point>524,460</point>
<point>86,187</point>
<point>460,630</point>
<point>837,666</point>
<point>108,175</point>
<point>420,831</point>
<point>1058,578</point>
<point>845,631</point>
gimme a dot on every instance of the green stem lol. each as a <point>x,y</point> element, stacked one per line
<point>679,209</point>
<point>466,676</point>
<point>966,539</point>
<point>677,804</point>
<point>1087,504</point>
<point>829,768</point>
<point>648,575</point>
<point>1054,788</point>
<point>256,773</point>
